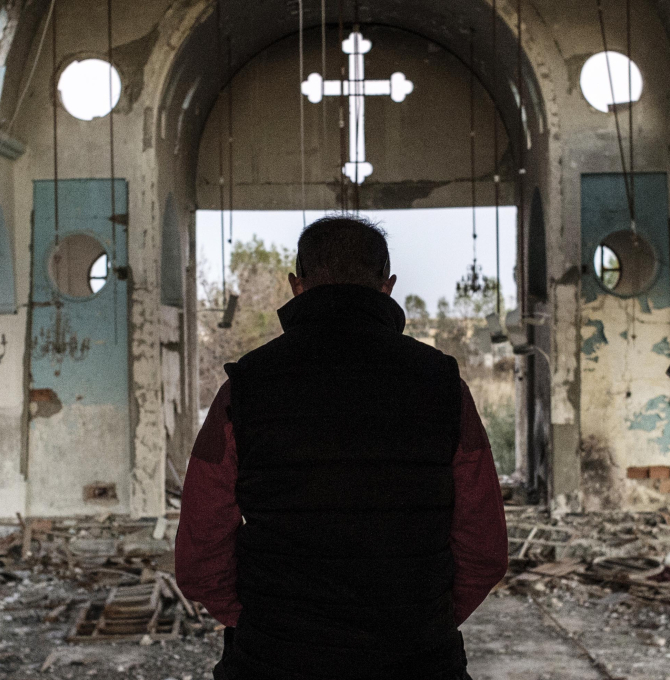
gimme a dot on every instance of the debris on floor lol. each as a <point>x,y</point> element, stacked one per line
<point>69,587</point>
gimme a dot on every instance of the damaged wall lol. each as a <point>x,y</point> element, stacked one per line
<point>166,54</point>
<point>418,160</point>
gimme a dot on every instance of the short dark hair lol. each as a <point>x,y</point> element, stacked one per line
<point>343,249</point>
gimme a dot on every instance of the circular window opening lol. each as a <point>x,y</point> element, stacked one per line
<point>79,266</point>
<point>84,88</point>
<point>625,263</point>
<point>595,80</point>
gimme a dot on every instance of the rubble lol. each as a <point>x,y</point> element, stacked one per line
<point>70,587</point>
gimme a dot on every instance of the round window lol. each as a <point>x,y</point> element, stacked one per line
<point>595,80</point>
<point>84,88</point>
<point>625,263</point>
<point>79,266</point>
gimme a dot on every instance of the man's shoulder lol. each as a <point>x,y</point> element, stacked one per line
<point>429,353</point>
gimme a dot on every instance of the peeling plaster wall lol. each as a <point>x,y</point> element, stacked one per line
<point>585,393</point>
<point>166,54</point>
<point>84,152</point>
<point>12,328</point>
<point>625,389</point>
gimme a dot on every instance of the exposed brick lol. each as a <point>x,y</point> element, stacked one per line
<point>637,472</point>
<point>665,486</point>
<point>659,472</point>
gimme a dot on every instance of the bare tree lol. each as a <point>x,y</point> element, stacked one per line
<point>259,277</point>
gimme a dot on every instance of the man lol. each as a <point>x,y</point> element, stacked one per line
<point>341,513</point>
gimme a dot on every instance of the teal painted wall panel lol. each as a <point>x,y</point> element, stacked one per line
<point>7,282</point>
<point>101,377</point>
<point>605,210</point>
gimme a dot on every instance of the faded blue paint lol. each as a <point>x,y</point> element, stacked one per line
<point>7,284</point>
<point>646,422</point>
<point>655,412</point>
<point>590,345</point>
<point>662,347</point>
<point>102,376</point>
<point>605,210</point>
<point>624,335</point>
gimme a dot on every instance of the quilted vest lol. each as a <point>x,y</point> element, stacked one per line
<point>345,432</point>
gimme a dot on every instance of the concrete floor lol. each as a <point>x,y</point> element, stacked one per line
<point>508,638</point>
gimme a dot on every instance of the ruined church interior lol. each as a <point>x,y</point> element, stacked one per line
<point>122,122</point>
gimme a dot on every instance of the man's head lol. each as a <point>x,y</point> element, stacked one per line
<point>342,249</point>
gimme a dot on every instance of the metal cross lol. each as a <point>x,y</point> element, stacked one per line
<point>356,88</point>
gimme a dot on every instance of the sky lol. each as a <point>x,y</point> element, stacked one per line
<point>430,248</point>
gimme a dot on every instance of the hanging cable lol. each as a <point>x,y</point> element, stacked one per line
<point>343,135</point>
<point>470,283</point>
<point>301,50</point>
<point>111,168</point>
<point>323,74</point>
<point>29,80</point>
<point>54,86</point>
<point>219,45</point>
<point>496,149</point>
<point>358,95</point>
<point>522,168</point>
<point>473,176</point>
<point>615,109</point>
<point>230,138</point>
<point>630,116</point>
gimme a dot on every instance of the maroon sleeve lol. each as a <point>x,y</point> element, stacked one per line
<point>205,564</point>
<point>479,531</point>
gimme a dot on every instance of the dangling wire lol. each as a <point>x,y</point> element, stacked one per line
<point>470,283</point>
<point>323,73</point>
<point>301,50</point>
<point>496,149</point>
<point>473,176</point>
<point>54,85</point>
<point>111,168</point>
<point>219,45</point>
<point>343,134</point>
<point>615,109</point>
<point>522,167</point>
<point>230,137</point>
<point>630,116</point>
<point>358,95</point>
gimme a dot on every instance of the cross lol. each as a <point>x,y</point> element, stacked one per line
<point>356,88</point>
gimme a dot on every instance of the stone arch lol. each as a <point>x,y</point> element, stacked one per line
<point>537,261</point>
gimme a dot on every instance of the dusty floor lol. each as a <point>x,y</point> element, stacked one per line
<point>508,638</point>
<point>558,615</point>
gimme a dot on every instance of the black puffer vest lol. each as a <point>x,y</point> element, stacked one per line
<point>345,432</point>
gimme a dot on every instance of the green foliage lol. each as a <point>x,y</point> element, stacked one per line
<point>451,333</point>
<point>260,278</point>
<point>500,427</point>
<point>254,254</point>
<point>418,318</point>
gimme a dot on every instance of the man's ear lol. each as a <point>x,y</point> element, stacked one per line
<point>296,285</point>
<point>388,285</point>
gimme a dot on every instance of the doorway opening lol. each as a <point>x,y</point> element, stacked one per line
<point>430,250</point>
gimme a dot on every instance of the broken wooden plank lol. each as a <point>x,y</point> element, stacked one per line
<point>557,569</point>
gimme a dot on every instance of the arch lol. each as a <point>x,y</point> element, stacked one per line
<point>7,281</point>
<point>537,259</point>
<point>172,290</point>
